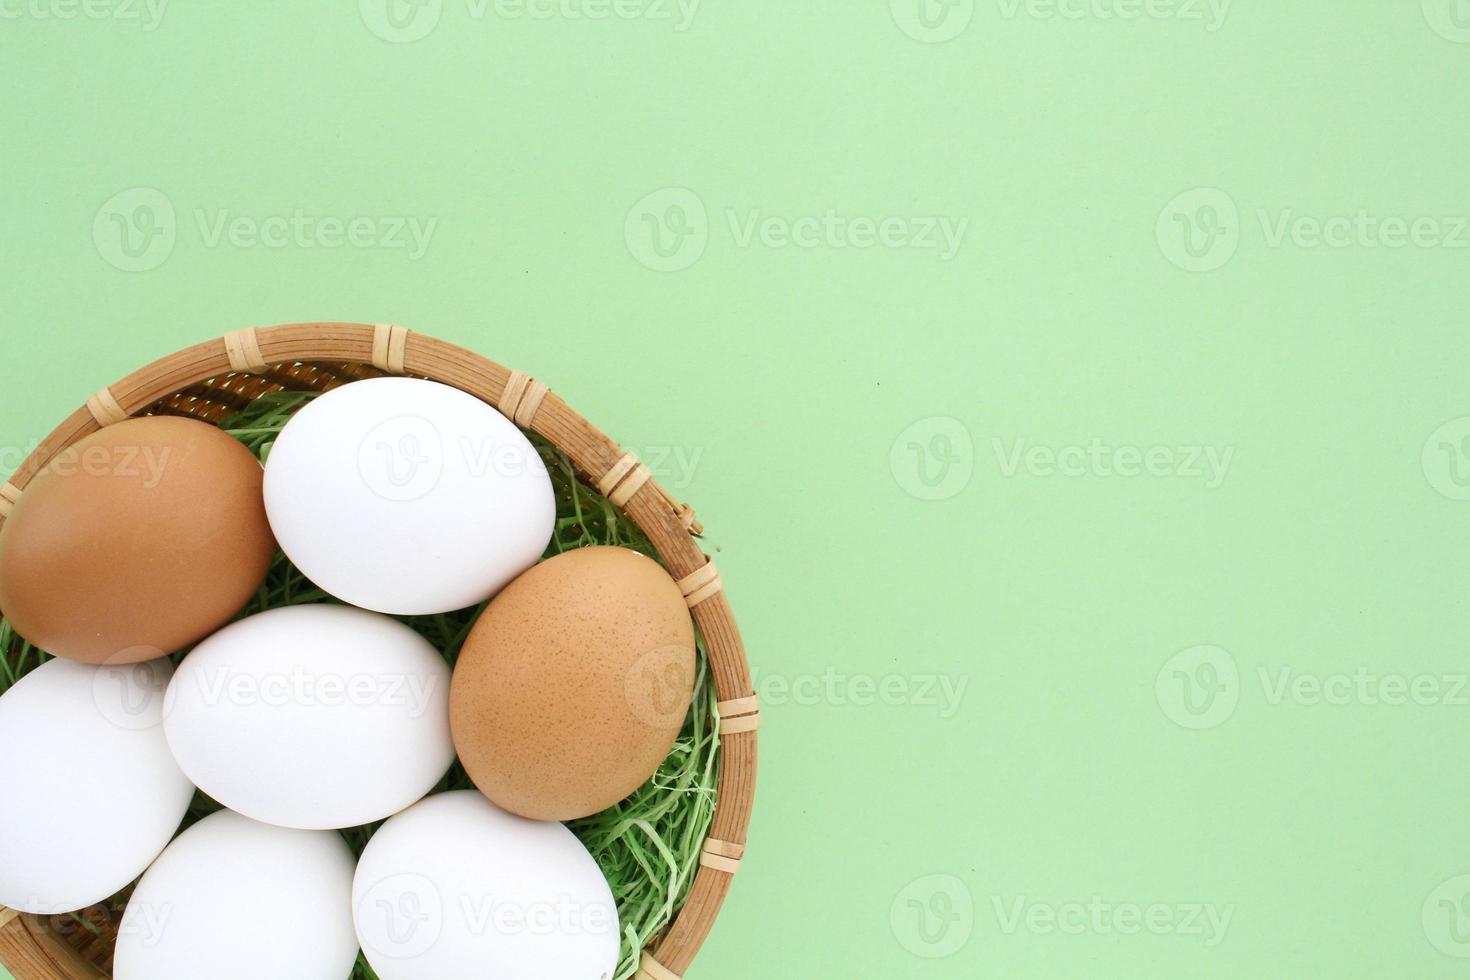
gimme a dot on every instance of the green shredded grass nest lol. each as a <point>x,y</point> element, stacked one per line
<point>648,846</point>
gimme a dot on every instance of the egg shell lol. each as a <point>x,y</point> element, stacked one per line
<point>408,497</point>
<point>456,889</point>
<point>139,540</point>
<point>315,717</point>
<point>91,792</point>
<point>574,684</point>
<point>232,899</point>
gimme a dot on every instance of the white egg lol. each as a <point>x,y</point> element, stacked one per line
<point>233,899</point>
<point>456,889</point>
<point>408,497</point>
<point>313,717</point>
<point>91,793</point>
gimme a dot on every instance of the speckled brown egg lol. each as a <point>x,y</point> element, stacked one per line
<point>137,541</point>
<point>574,684</point>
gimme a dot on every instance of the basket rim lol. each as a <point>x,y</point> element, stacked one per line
<point>669,526</point>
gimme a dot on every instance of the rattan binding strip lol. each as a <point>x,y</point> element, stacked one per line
<point>702,584</point>
<point>390,347</point>
<point>9,497</point>
<point>536,393</point>
<point>741,726</point>
<point>652,969</point>
<point>243,349</point>
<point>522,398</point>
<point>740,715</point>
<point>635,482</point>
<point>620,469</point>
<point>105,408</point>
<point>625,479</point>
<point>515,389</point>
<point>722,856</point>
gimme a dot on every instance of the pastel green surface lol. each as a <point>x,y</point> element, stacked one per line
<point>1162,300</point>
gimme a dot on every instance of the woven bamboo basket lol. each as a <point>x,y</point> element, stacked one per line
<point>213,380</point>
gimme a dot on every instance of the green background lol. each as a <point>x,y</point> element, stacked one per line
<point>823,387</point>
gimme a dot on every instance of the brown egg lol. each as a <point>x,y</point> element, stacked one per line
<point>141,539</point>
<point>574,684</point>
